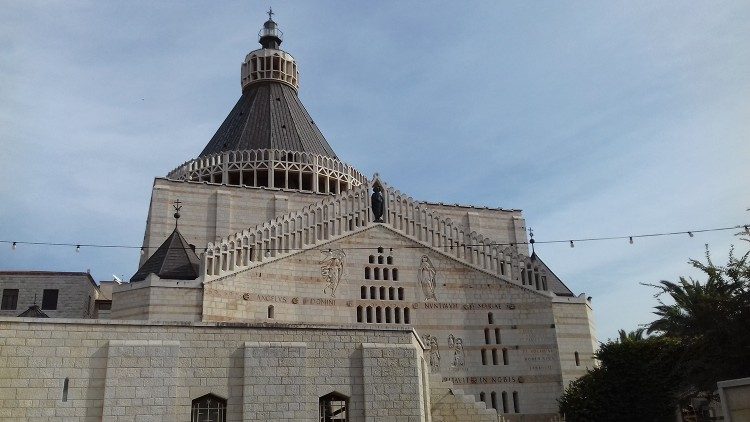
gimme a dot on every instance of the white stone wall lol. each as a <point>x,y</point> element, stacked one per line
<point>575,333</point>
<point>523,318</point>
<point>148,371</point>
<point>500,225</point>
<point>158,300</point>
<point>76,292</point>
<point>211,211</point>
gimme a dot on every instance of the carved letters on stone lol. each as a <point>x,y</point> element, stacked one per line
<point>456,344</point>
<point>427,276</point>
<point>332,268</point>
<point>434,352</point>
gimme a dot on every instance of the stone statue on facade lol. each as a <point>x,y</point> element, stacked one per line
<point>456,344</point>
<point>427,275</point>
<point>332,268</point>
<point>378,203</point>
<point>434,355</point>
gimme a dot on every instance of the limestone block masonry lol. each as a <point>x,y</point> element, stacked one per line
<point>89,370</point>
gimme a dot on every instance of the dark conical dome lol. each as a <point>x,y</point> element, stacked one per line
<point>269,114</point>
<point>175,259</point>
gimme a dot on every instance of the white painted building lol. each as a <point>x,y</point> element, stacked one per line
<point>288,289</point>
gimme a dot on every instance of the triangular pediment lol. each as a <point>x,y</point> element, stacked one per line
<point>350,212</point>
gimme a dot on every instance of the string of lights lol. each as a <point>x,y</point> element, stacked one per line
<point>571,241</point>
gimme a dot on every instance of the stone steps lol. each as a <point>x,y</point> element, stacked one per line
<point>450,404</point>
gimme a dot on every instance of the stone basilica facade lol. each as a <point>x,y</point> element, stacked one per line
<point>293,287</point>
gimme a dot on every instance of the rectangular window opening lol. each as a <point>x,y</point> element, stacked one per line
<point>49,299</point>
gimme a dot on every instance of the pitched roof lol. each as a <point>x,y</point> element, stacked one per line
<point>554,284</point>
<point>33,312</point>
<point>269,116</point>
<point>175,260</point>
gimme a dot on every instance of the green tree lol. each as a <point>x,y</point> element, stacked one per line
<point>710,320</point>
<point>637,380</point>
<point>636,335</point>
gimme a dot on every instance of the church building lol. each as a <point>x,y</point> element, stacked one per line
<point>277,282</point>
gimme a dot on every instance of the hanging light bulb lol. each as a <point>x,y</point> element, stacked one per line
<point>631,240</point>
<point>691,234</point>
<point>268,254</point>
<point>572,245</point>
<point>78,248</point>
<point>13,246</point>
<point>143,251</point>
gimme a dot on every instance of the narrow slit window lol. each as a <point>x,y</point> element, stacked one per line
<point>66,383</point>
<point>270,312</point>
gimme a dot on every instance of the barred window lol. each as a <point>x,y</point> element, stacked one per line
<point>209,408</point>
<point>334,407</point>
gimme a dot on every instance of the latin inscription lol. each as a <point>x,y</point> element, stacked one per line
<point>293,300</point>
<point>483,380</point>
<point>468,306</point>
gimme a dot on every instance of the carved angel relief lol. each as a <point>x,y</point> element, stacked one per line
<point>332,268</point>
<point>434,352</point>
<point>456,344</point>
<point>427,275</point>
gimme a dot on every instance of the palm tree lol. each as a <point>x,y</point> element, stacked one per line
<point>709,319</point>
<point>626,337</point>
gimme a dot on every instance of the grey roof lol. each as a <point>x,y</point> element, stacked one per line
<point>33,312</point>
<point>554,284</point>
<point>269,115</point>
<point>174,260</point>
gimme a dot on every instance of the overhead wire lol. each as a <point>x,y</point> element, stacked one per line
<point>571,241</point>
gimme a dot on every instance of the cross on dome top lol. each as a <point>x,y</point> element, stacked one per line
<point>270,36</point>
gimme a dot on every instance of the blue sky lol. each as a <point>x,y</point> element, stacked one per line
<point>595,118</point>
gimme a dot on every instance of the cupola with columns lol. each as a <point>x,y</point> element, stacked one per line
<point>269,139</point>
